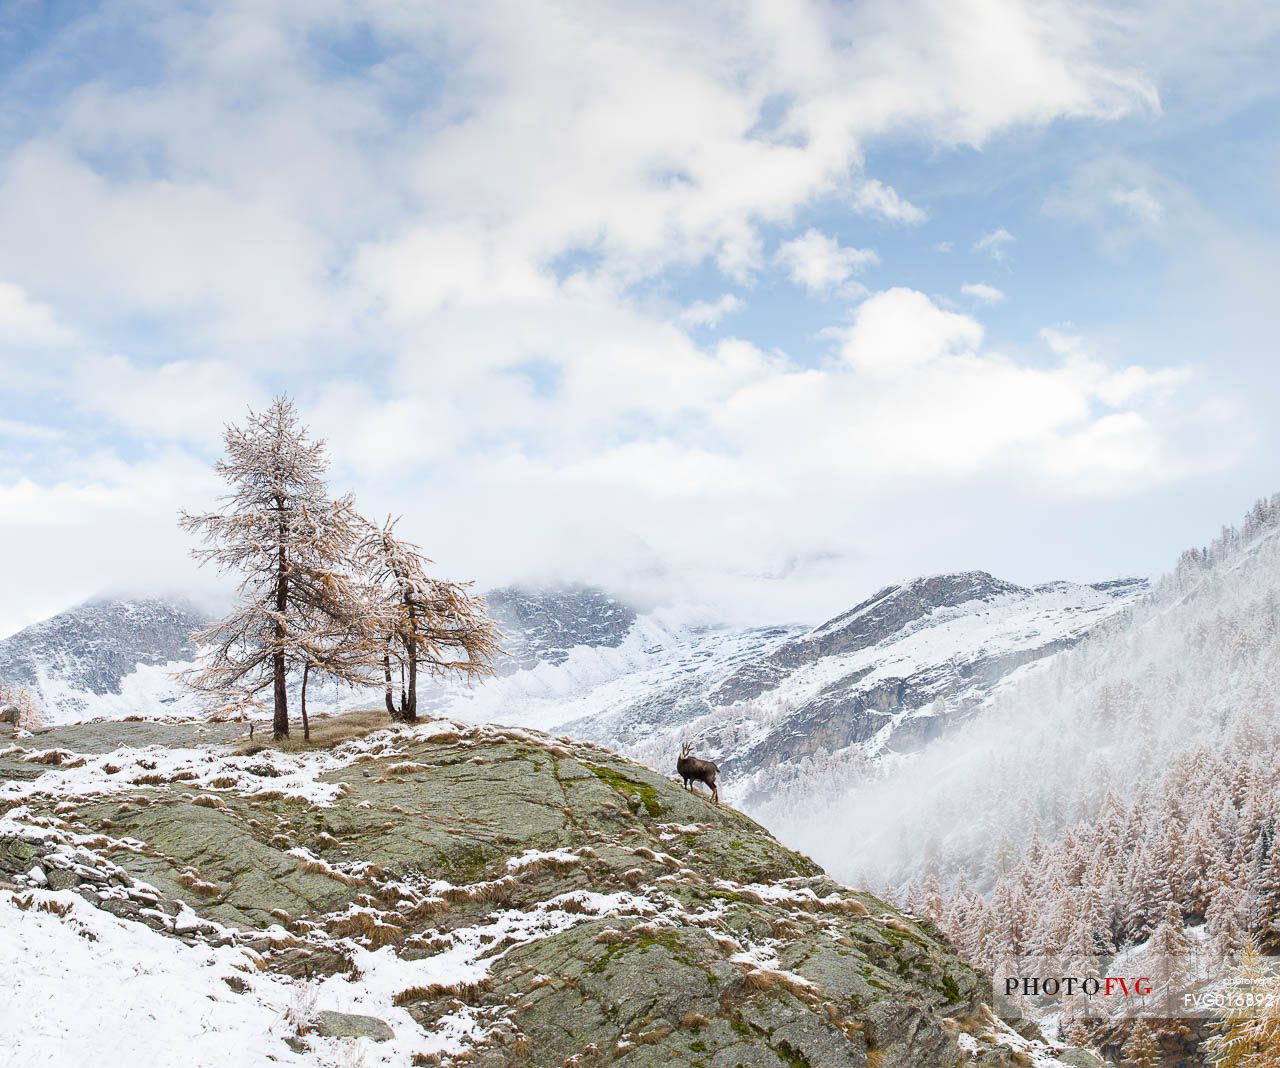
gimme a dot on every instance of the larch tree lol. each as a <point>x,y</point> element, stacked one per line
<point>291,543</point>
<point>19,706</point>
<point>431,624</point>
<point>1142,1047</point>
<point>1248,1033</point>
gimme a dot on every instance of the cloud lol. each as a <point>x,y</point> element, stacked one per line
<point>1124,201</point>
<point>873,197</point>
<point>710,312</point>
<point>25,322</point>
<point>187,400</point>
<point>476,241</point>
<point>16,428</point>
<point>1140,203</point>
<point>982,293</point>
<point>994,243</point>
<point>820,263</point>
<point>901,329</point>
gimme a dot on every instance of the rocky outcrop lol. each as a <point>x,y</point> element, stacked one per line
<point>536,900</point>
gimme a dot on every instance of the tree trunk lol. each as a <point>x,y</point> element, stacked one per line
<point>386,673</point>
<point>306,727</point>
<point>409,712</point>
<point>280,720</point>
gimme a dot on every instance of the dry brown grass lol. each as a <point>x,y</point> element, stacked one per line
<point>56,757</point>
<point>766,980</point>
<point>56,908</point>
<point>407,767</point>
<point>190,879</point>
<point>371,928</point>
<point>464,991</point>
<point>320,867</point>
<point>426,908</point>
<point>611,936</point>
<point>208,801</point>
<point>326,732</point>
<point>495,891</point>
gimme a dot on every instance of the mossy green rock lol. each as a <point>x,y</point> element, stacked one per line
<point>648,926</point>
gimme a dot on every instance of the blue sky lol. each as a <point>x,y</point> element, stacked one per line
<point>754,307</point>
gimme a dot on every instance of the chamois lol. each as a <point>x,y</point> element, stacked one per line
<point>692,770</point>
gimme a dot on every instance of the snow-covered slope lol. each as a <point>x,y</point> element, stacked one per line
<point>884,678</point>
<point>770,704</point>
<point>104,658</point>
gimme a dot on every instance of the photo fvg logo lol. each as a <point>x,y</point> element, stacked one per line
<point>1070,985</point>
<point>1192,985</point>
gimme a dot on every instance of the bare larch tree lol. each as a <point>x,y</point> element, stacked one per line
<point>430,623</point>
<point>292,543</point>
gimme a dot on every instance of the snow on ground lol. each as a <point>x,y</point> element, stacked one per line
<point>64,976</point>
<point>660,650</point>
<point>129,767</point>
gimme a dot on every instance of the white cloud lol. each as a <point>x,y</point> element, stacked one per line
<point>873,197</point>
<point>1139,202</point>
<point>820,263</point>
<point>982,293</point>
<point>24,322</point>
<point>710,312</point>
<point>994,244</point>
<point>1124,201</point>
<point>455,272</point>
<point>901,329</point>
<point>183,400</point>
<point>16,428</point>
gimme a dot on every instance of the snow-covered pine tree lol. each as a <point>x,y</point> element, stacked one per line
<point>431,623</point>
<point>291,542</point>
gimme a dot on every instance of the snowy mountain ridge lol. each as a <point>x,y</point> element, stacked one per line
<point>105,658</point>
<point>882,679</point>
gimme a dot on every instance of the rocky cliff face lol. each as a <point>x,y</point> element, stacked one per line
<point>544,625</point>
<point>445,894</point>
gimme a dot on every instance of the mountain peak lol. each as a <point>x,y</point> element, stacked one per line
<point>91,648</point>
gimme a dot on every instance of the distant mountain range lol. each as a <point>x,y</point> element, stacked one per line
<point>873,683</point>
<point>116,657</point>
